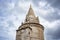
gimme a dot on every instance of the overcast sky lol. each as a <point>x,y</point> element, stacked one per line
<point>13,13</point>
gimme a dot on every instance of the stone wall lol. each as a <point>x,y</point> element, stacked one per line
<point>30,32</point>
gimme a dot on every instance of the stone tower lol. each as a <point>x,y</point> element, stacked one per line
<point>30,29</point>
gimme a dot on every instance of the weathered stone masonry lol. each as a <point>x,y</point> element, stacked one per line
<point>30,29</point>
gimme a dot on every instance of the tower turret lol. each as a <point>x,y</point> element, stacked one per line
<point>30,29</point>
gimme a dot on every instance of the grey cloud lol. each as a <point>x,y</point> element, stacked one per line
<point>36,2</point>
<point>5,11</point>
<point>3,33</point>
<point>3,38</point>
<point>53,33</point>
<point>10,23</point>
<point>54,3</point>
<point>52,16</point>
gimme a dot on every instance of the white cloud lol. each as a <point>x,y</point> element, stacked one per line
<point>45,8</point>
<point>42,4</point>
<point>24,5</point>
<point>50,25</point>
<point>11,5</point>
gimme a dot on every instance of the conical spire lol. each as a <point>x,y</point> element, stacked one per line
<point>31,12</point>
<point>30,17</point>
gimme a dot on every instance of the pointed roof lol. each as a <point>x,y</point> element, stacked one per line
<point>30,17</point>
<point>31,12</point>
